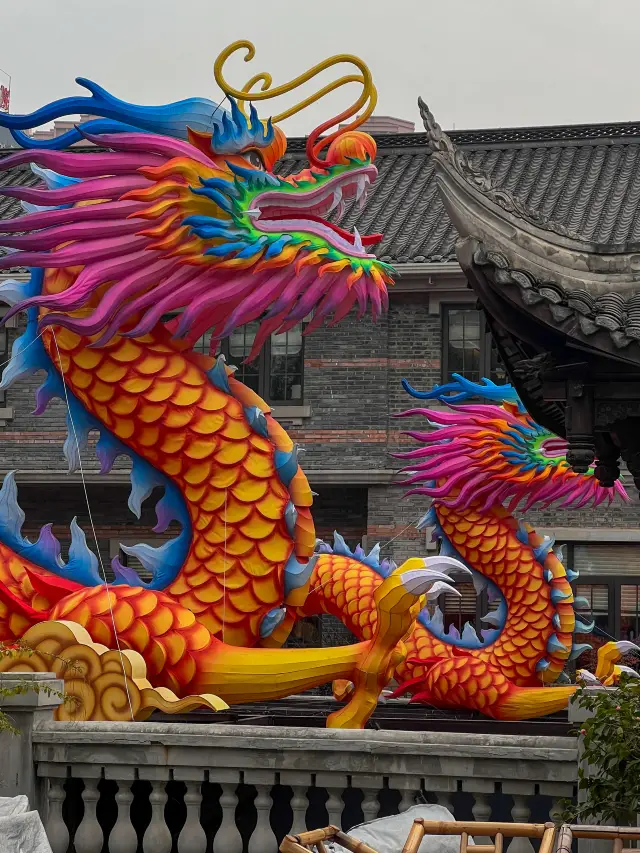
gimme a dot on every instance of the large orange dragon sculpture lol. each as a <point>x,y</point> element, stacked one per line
<point>177,211</point>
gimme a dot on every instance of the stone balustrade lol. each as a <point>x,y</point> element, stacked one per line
<point>190,788</point>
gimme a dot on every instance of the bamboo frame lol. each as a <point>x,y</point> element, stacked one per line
<point>617,834</point>
<point>314,840</point>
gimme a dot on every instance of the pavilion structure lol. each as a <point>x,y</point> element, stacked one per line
<point>564,312</point>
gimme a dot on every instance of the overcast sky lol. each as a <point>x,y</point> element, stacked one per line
<point>478,63</point>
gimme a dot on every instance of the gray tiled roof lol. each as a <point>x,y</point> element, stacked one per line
<point>586,177</point>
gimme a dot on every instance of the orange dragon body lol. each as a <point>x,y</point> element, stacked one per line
<point>177,211</point>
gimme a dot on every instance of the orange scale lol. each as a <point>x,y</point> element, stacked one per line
<point>200,448</point>
<point>238,545</point>
<point>276,549</point>
<point>196,495</point>
<point>261,444</point>
<point>201,576</point>
<point>224,478</point>
<point>236,430</point>
<point>267,590</point>
<point>204,550</point>
<point>271,506</point>
<point>177,418</point>
<point>232,616</point>
<point>255,565</point>
<point>250,490</point>
<point>101,632</point>
<point>123,616</point>
<point>175,646</point>
<point>173,367</point>
<point>196,474</point>
<point>193,376</point>
<point>157,391</point>
<point>184,670</point>
<point>155,657</point>
<point>257,527</point>
<point>160,620</point>
<point>193,604</point>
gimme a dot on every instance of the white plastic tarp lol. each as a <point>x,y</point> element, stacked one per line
<point>388,834</point>
<point>21,831</point>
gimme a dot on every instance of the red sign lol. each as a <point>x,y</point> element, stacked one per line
<point>5,96</point>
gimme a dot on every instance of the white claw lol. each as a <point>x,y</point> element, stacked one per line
<point>419,581</point>
<point>436,590</point>
<point>628,671</point>
<point>357,240</point>
<point>587,677</point>
<point>626,646</point>
<point>446,565</point>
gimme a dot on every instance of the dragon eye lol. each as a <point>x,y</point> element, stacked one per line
<point>254,159</point>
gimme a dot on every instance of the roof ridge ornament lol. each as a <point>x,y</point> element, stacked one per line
<point>441,143</point>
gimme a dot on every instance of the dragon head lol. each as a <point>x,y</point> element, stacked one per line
<point>492,452</point>
<point>179,209</point>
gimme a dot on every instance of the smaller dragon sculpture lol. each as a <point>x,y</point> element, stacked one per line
<point>481,458</point>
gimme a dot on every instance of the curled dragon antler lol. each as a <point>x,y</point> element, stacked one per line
<point>367,99</point>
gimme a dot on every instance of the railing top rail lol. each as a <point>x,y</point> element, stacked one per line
<point>302,738</point>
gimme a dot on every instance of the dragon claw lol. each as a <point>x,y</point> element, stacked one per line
<point>626,647</point>
<point>627,670</point>
<point>588,678</point>
<point>419,581</point>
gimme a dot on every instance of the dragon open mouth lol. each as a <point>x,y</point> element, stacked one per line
<point>277,211</point>
<point>553,447</point>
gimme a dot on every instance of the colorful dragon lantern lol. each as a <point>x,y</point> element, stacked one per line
<point>176,211</point>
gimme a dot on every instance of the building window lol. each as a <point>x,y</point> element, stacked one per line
<point>630,612</point>
<point>277,373</point>
<point>466,346</point>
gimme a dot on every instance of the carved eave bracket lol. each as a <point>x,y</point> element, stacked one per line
<point>586,292</point>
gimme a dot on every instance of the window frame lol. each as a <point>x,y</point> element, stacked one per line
<point>485,340</point>
<point>264,370</point>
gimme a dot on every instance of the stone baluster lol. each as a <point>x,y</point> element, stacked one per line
<point>334,785</point>
<point>370,786</point>
<point>193,838</point>
<point>558,791</point>
<point>89,837</point>
<point>408,787</point>
<point>57,831</point>
<point>520,814</point>
<point>481,806</point>
<point>262,838</point>
<point>157,838</point>
<point>445,799</point>
<point>299,784</point>
<point>228,838</point>
<point>123,837</point>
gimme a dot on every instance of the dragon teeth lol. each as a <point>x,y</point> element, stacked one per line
<point>340,211</point>
<point>357,240</point>
<point>337,201</point>
<point>363,180</point>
